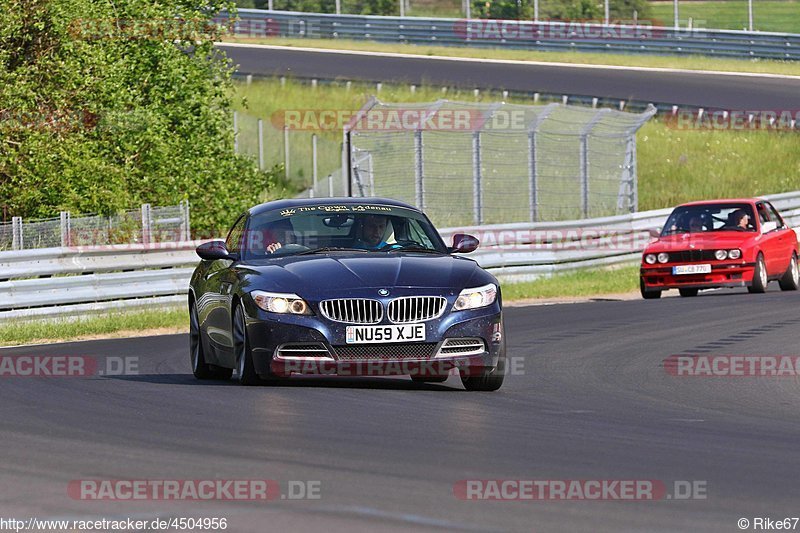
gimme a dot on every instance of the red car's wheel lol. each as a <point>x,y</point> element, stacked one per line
<point>760,281</point>
<point>791,279</point>
<point>648,295</point>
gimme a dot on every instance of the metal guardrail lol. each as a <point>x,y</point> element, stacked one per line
<point>513,34</point>
<point>72,281</point>
<point>53,282</point>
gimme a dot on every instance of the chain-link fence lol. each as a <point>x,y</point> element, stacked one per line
<point>468,163</point>
<point>308,158</point>
<point>146,225</point>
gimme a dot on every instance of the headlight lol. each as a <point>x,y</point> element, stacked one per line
<point>734,254</point>
<point>281,303</point>
<point>650,259</point>
<point>663,257</point>
<point>721,254</point>
<point>477,297</point>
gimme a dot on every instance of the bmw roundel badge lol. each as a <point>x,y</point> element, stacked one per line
<point>383,292</point>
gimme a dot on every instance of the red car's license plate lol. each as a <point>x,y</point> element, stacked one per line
<point>691,269</point>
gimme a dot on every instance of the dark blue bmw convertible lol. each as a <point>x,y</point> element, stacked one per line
<point>344,286</point>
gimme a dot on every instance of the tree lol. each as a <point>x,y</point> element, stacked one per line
<point>108,104</point>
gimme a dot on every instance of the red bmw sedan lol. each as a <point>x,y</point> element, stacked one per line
<point>721,243</point>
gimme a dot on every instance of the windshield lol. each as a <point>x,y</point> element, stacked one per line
<point>710,217</point>
<point>332,228</point>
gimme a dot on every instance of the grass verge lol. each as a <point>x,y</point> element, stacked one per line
<point>768,15</point>
<point>576,284</point>
<point>118,324</point>
<point>763,66</point>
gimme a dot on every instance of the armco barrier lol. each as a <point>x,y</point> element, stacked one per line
<point>514,34</point>
<point>73,281</point>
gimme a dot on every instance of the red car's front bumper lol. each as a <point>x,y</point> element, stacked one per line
<point>660,277</point>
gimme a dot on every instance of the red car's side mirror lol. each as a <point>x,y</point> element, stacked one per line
<point>464,244</point>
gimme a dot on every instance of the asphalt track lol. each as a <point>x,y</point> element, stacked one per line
<point>589,399</point>
<point>695,89</point>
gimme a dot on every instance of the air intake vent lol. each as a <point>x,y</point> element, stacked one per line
<point>468,346</point>
<point>385,352</point>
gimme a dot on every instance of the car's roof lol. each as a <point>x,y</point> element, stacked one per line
<point>302,202</point>
<point>723,201</point>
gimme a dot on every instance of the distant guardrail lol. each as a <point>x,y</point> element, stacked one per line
<point>515,34</point>
<point>56,282</point>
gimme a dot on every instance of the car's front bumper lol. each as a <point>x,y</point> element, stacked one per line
<point>660,277</point>
<point>270,334</point>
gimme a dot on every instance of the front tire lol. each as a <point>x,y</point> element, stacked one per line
<point>791,279</point>
<point>200,368</point>
<point>489,380</point>
<point>759,284</point>
<point>245,370</point>
<point>648,295</point>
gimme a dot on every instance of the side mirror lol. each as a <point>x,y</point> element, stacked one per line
<point>766,227</point>
<point>654,232</point>
<point>214,250</point>
<point>464,244</point>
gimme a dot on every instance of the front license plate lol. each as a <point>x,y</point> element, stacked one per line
<point>691,269</point>
<point>378,334</point>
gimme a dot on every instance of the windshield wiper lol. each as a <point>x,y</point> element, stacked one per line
<point>331,249</point>
<point>416,248</point>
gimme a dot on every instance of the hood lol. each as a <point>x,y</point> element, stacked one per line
<point>323,275</point>
<point>702,241</point>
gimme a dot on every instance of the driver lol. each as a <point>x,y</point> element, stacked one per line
<point>372,231</point>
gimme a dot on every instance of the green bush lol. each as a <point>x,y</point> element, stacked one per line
<point>104,106</point>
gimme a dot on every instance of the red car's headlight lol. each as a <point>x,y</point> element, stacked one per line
<point>650,259</point>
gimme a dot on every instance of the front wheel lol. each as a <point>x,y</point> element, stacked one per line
<point>648,295</point>
<point>488,380</point>
<point>200,368</point>
<point>759,284</point>
<point>245,370</point>
<point>790,280</point>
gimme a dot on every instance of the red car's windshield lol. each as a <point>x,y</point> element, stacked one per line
<point>710,217</point>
